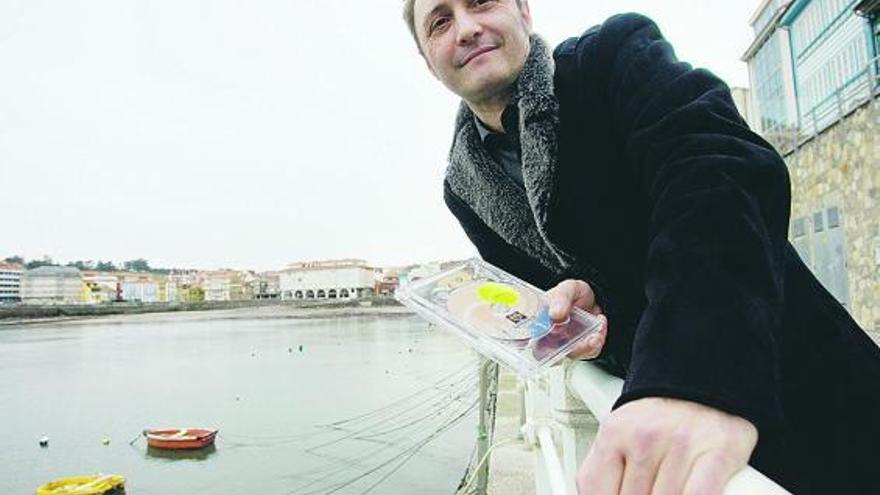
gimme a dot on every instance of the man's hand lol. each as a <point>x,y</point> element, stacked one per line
<point>662,446</point>
<point>577,293</point>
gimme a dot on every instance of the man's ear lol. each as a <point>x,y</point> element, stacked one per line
<point>526,14</point>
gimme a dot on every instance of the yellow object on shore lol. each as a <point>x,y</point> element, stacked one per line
<point>98,484</point>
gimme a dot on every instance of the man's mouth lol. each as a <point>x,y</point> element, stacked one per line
<point>476,52</point>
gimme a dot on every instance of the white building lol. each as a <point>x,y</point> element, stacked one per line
<point>742,98</point>
<point>143,291</point>
<point>142,287</point>
<point>228,285</point>
<point>332,279</point>
<point>10,282</point>
<point>51,285</point>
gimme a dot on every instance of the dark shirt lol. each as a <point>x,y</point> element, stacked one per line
<point>504,147</point>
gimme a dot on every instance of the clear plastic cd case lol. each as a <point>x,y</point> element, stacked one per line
<point>499,315</point>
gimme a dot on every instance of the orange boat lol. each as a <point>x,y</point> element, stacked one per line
<point>180,438</point>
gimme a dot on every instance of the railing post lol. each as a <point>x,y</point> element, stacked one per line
<point>537,412</point>
<point>487,370</point>
<point>839,102</point>
<point>815,124</point>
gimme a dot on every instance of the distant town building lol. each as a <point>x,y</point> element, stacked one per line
<point>10,282</point>
<point>267,285</point>
<point>185,286</point>
<point>228,285</point>
<point>143,288</point>
<point>331,279</point>
<point>387,281</point>
<point>51,285</point>
<point>102,287</point>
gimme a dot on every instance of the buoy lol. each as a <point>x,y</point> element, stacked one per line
<point>105,441</point>
<point>300,348</point>
<point>44,442</point>
<point>290,349</point>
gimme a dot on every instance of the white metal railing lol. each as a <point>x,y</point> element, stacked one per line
<point>860,89</point>
<point>560,442</point>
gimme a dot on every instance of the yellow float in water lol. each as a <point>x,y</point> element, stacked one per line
<point>99,484</point>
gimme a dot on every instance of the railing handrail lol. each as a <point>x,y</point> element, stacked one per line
<point>850,95</point>
<point>599,390</point>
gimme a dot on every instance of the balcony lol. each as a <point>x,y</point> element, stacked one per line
<point>846,99</point>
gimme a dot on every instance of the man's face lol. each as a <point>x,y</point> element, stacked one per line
<point>475,47</point>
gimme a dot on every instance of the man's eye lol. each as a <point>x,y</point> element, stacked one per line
<point>439,23</point>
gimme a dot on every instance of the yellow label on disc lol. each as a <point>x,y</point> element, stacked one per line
<point>495,293</point>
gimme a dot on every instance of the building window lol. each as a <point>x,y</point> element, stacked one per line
<point>818,223</point>
<point>833,218</point>
<point>877,250</point>
<point>822,248</point>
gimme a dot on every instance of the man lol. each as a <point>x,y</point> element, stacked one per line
<point>613,166</point>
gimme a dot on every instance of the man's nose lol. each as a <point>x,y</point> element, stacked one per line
<point>469,29</point>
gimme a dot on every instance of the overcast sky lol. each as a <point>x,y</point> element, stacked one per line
<point>249,134</point>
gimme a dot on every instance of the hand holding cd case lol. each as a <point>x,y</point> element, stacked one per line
<point>501,316</point>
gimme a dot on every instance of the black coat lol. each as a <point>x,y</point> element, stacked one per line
<point>677,215</point>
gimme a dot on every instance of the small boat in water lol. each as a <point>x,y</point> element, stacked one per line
<point>99,484</point>
<point>180,438</point>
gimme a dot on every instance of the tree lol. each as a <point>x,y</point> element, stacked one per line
<point>105,266</point>
<point>83,265</point>
<point>46,261</point>
<point>17,260</point>
<point>138,265</point>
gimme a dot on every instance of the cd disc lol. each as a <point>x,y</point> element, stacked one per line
<point>495,309</point>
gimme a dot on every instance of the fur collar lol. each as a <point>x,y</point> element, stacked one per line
<point>519,217</point>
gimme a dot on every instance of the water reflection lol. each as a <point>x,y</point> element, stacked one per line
<point>174,455</point>
<point>357,381</point>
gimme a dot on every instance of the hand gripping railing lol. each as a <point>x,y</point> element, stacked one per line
<point>598,391</point>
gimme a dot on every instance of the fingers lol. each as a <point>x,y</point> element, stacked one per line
<point>571,293</point>
<point>674,469</point>
<point>710,474</point>
<point>601,472</point>
<point>591,347</point>
<point>662,446</point>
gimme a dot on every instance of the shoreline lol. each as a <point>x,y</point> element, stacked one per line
<point>32,315</point>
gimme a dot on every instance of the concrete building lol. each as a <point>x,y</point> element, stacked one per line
<point>10,282</point>
<point>870,9</point>
<point>831,46</point>
<point>184,286</point>
<point>228,285</point>
<point>51,285</point>
<point>742,98</point>
<point>267,285</point>
<point>771,73</point>
<point>814,74</point>
<point>142,288</point>
<point>331,279</point>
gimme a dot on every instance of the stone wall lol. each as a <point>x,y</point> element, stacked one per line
<point>840,169</point>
